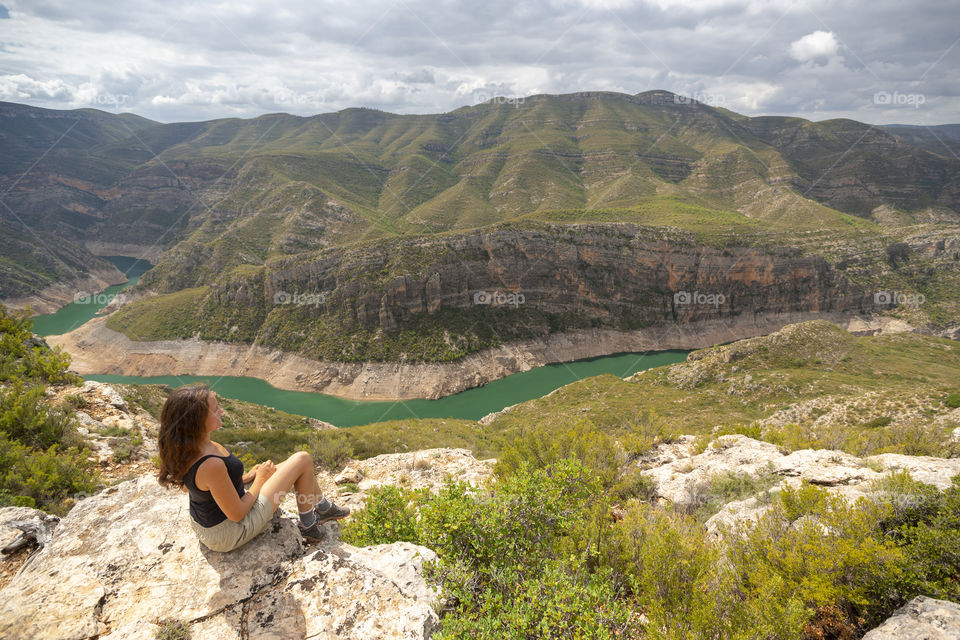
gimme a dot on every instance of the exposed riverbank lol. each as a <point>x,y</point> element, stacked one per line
<point>52,298</point>
<point>97,349</point>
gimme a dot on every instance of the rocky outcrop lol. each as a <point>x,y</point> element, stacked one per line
<point>922,618</point>
<point>94,348</point>
<point>427,469</point>
<point>126,560</point>
<point>122,438</point>
<point>683,477</point>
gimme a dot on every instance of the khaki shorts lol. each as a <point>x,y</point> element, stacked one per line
<point>228,535</point>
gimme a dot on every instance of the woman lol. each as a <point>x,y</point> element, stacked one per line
<point>223,514</point>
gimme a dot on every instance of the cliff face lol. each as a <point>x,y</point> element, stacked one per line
<point>610,275</point>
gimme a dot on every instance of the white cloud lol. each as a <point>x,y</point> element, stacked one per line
<point>818,46</point>
<point>20,87</point>
<point>183,60</point>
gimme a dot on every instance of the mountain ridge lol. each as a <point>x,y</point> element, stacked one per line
<point>231,200</point>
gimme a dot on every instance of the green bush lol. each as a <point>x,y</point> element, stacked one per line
<point>389,516</point>
<point>537,555</point>
<point>928,531</point>
<point>916,438</point>
<point>814,547</point>
<point>24,358</point>
<point>953,400</point>
<point>557,603</point>
<point>26,416</point>
<point>330,449</point>
<point>173,630</point>
<point>40,462</point>
<point>709,496</point>
<point>50,479</point>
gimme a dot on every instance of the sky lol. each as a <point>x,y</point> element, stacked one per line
<point>877,61</point>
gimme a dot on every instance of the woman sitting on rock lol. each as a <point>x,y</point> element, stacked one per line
<point>223,514</point>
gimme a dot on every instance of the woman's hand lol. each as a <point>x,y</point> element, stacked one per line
<point>264,471</point>
<point>250,475</point>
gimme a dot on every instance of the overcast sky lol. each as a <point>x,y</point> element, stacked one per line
<point>878,61</point>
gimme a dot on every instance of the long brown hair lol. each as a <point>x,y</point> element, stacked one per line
<point>182,426</point>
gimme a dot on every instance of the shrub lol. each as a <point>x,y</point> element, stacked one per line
<point>557,603</point>
<point>930,537</point>
<point>174,630</point>
<point>26,358</point>
<point>719,489</point>
<point>49,479</point>
<point>330,449</point>
<point>814,546</point>
<point>388,517</point>
<point>26,416</point>
<point>953,400</point>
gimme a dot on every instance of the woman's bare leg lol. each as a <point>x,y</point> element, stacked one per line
<point>295,472</point>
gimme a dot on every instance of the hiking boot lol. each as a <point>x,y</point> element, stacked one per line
<point>311,533</point>
<point>333,512</point>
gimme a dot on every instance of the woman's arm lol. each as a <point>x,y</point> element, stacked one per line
<point>213,474</point>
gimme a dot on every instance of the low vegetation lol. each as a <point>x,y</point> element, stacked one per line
<point>42,461</point>
<point>542,552</point>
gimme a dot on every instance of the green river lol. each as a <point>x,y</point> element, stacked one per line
<point>89,303</point>
<point>471,404</point>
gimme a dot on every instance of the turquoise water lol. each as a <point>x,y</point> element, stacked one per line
<point>77,313</point>
<point>471,404</point>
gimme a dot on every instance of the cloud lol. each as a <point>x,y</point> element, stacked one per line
<point>21,88</point>
<point>817,46</point>
<point>186,60</point>
<point>4,13</point>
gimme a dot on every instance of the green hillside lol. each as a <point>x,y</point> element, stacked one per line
<point>277,201</point>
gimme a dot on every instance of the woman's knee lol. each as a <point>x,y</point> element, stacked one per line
<point>301,458</point>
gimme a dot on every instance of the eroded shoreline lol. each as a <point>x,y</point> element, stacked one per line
<point>96,349</point>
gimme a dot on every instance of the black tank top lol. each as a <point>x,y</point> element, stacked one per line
<point>203,508</point>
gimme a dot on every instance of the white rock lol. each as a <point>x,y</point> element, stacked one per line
<point>125,560</point>
<point>680,476</point>
<point>12,514</point>
<point>922,618</point>
<point>348,475</point>
<point>88,422</point>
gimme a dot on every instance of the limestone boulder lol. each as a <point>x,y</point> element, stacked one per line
<point>426,469</point>
<point>681,476</point>
<point>126,560</point>
<point>9,533</point>
<point>922,618</point>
